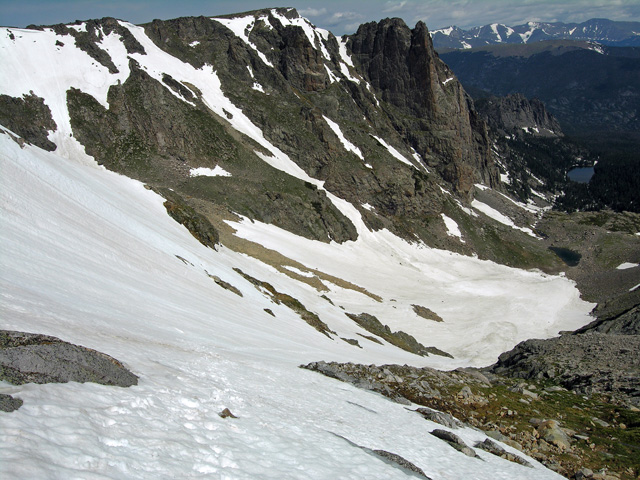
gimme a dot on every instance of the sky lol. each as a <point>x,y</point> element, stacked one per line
<point>338,16</point>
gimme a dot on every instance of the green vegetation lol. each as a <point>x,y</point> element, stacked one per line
<point>400,339</point>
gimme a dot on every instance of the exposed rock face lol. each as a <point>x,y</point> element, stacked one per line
<point>304,92</point>
<point>28,117</point>
<point>195,222</point>
<point>430,105</point>
<point>29,357</point>
<point>455,441</point>
<point>9,403</point>
<point>287,85</point>
<point>618,316</point>
<point>515,114</point>
<point>399,339</point>
<point>149,134</point>
<point>585,363</point>
<point>587,90</point>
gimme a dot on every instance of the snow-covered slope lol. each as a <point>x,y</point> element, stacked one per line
<point>91,257</point>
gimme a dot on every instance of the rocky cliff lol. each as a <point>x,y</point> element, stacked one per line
<point>326,103</point>
<point>425,100</point>
<point>517,114</point>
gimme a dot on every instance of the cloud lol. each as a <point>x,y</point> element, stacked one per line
<point>394,6</point>
<point>312,12</point>
<point>337,16</point>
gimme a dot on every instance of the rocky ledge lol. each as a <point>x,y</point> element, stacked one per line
<point>34,358</point>
<point>577,435</point>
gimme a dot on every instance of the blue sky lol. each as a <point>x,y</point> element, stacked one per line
<point>339,16</point>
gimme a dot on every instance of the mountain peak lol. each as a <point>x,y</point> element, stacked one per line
<point>288,12</point>
<point>601,30</point>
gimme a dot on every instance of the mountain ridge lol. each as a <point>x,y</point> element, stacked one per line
<point>601,30</point>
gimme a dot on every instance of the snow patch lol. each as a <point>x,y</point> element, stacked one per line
<point>345,59</point>
<point>240,26</point>
<point>499,217</point>
<point>466,210</point>
<point>394,153</point>
<point>626,266</point>
<point>596,47</point>
<point>444,31</point>
<point>452,227</point>
<point>302,273</point>
<point>346,143</point>
<point>342,49</point>
<point>332,76</point>
<point>217,171</point>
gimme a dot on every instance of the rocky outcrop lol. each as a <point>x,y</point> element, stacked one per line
<point>515,114</point>
<point>400,339</point>
<point>393,459</point>
<point>617,316</point>
<point>9,403</point>
<point>455,441</point>
<point>34,358</point>
<point>572,438</point>
<point>294,304</point>
<point>28,117</point>
<point>425,100</point>
<point>196,223</point>
<point>585,363</point>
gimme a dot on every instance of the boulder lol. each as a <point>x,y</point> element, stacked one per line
<point>30,357</point>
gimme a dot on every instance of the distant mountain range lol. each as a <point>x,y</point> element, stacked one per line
<point>600,30</point>
<point>588,87</point>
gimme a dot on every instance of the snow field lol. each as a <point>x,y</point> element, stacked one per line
<point>487,308</point>
<point>90,256</point>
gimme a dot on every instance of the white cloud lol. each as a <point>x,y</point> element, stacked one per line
<point>312,12</point>
<point>394,6</point>
<point>345,16</point>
